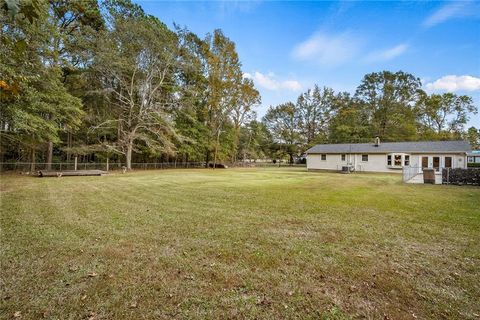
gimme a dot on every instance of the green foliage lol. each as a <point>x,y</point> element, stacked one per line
<point>441,116</point>
<point>386,104</point>
<point>315,108</point>
<point>473,136</point>
<point>36,106</point>
<point>283,123</point>
<point>105,78</point>
<point>387,99</point>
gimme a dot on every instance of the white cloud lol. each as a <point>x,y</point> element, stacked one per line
<point>454,83</point>
<point>449,11</point>
<point>387,54</point>
<point>269,82</point>
<point>326,49</point>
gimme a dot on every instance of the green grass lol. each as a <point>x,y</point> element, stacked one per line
<point>251,243</point>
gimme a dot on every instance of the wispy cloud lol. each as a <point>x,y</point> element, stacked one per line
<point>452,83</point>
<point>387,54</point>
<point>227,8</point>
<point>452,10</point>
<point>268,81</point>
<point>328,49</point>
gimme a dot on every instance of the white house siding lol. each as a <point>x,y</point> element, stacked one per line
<point>458,160</point>
<point>376,162</point>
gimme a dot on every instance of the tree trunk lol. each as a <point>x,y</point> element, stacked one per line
<point>129,155</point>
<point>49,155</point>
<point>69,144</point>
<point>32,159</point>
<point>207,158</point>
<point>236,142</point>
<point>215,156</point>
<point>216,149</point>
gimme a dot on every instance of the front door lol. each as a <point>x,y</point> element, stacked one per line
<point>448,162</point>
<point>424,162</point>
<point>436,163</point>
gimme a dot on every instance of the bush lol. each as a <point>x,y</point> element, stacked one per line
<point>461,176</point>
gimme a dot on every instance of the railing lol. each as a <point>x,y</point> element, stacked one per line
<point>409,172</point>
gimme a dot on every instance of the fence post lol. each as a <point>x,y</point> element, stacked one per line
<point>75,166</point>
<point>107,165</point>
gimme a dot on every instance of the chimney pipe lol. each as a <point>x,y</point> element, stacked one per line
<point>377,141</point>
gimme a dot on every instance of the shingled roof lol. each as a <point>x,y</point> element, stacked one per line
<point>388,147</point>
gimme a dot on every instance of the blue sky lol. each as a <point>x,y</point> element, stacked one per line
<point>286,47</point>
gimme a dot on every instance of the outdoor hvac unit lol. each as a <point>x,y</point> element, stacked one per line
<point>347,169</point>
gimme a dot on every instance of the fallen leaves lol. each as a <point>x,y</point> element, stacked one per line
<point>264,301</point>
<point>17,314</point>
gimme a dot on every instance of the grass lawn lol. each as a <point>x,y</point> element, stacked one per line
<point>238,243</point>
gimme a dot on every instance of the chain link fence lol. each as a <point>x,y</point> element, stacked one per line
<point>112,166</point>
<point>408,173</point>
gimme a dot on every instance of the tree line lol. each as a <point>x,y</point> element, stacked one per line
<point>389,105</point>
<point>106,80</point>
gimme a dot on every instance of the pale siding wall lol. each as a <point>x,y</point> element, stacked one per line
<point>458,160</point>
<point>333,162</point>
<point>376,162</point>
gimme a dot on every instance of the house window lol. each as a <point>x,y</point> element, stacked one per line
<point>364,157</point>
<point>398,160</point>
<point>448,162</point>
<point>324,157</point>
<point>343,157</point>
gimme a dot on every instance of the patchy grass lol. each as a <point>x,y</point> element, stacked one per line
<point>251,243</point>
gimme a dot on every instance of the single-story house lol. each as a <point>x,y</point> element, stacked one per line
<point>388,156</point>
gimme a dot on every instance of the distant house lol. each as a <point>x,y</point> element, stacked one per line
<point>473,158</point>
<point>388,156</point>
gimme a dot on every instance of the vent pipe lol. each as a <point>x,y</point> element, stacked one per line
<point>377,141</point>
